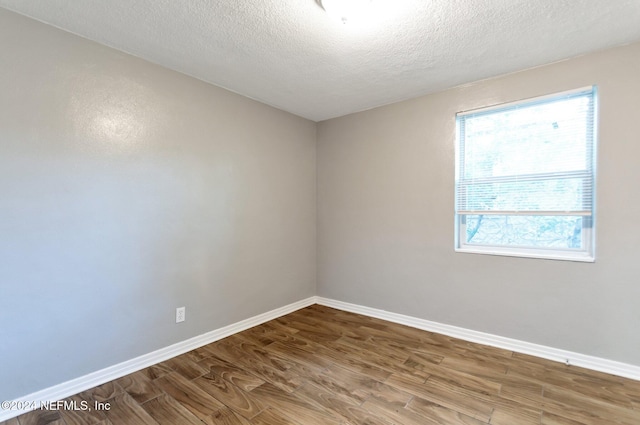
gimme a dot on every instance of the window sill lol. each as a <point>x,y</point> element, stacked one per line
<point>580,256</point>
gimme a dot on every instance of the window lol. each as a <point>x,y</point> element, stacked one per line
<point>525,178</point>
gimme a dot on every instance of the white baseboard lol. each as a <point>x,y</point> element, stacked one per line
<point>576,359</point>
<point>74,386</point>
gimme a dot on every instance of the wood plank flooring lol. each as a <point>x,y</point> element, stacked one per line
<point>324,366</point>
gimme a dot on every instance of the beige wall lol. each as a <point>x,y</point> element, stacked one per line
<point>385,218</point>
<point>127,190</point>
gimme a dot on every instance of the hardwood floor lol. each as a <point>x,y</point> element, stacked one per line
<point>325,366</point>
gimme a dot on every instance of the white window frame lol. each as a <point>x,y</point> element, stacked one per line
<point>587,253</point>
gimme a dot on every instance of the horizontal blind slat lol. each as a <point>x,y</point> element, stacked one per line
<point>579,213</point>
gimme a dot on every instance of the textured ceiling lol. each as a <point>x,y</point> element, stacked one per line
<point>291,55</point>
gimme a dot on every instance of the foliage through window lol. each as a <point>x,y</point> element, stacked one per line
<point>525,177</point>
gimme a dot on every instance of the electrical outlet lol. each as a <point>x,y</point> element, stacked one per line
<point>181,314</point>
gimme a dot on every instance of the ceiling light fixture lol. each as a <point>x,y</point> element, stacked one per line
<point>346,10</point>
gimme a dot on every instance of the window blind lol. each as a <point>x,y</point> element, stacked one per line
<point>528,158</point>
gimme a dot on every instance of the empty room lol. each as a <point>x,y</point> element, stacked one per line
<point>309,212</point>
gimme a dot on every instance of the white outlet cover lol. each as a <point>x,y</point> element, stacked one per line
<point>180,314</point>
